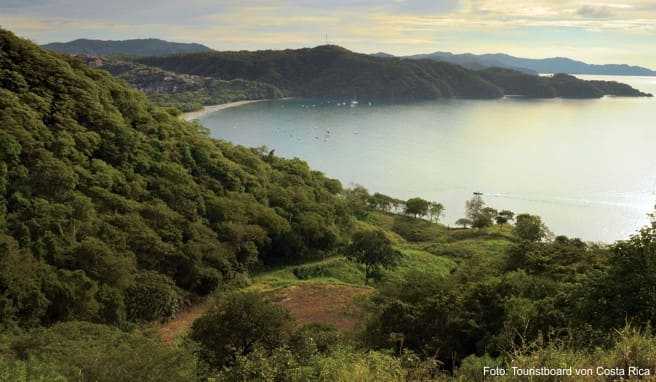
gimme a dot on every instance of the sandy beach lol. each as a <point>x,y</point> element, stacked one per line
<point>212,108</point>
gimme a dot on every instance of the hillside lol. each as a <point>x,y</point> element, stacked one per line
<point>534,66</point>
<point>106,199</point>
<point>559,85</point>
<point>183,91</point>
<point>331,71</point>
<point>135,48</point>
<point>121,224</point>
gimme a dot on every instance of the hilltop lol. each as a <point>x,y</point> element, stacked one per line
<point>332,71</point>
<point>135,47</point>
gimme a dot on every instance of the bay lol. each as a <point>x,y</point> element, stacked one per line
<point>586,166</point>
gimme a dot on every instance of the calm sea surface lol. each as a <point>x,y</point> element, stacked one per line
<point>588,167</point>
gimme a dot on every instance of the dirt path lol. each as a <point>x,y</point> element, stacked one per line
<point>181,324</point>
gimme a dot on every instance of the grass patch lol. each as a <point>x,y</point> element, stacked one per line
<point>469,247</point>
<point>339,269</point>
<point>408,228</point>
<point>335,270</point>
<point>374,224</point>
<point>417,261</point>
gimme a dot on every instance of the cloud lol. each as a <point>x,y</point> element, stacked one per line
<point>594,12</point>
<point>7,4</point>
<point>398,26</point>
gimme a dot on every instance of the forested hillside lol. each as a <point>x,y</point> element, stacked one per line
<point>559,85</point>
<point>115,216</point>
<point>136,47</point>
<point>113,210</point>
<point>332,71</point>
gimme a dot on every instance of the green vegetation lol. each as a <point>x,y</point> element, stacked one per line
<point>332,71</point>
<point>115,216</point>
<point>80,351</point>
<point>182,91</point>
<point>112,209</point>
<point>239,325</point>
<point>374,251</point>
<point>136,47</point>
<point>559,85</point>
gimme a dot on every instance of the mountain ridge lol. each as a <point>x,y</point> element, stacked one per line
<point>542,65</point>
<point>131,47</point>
<point>335,72</point>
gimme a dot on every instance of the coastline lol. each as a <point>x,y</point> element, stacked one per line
<point>190,116</point>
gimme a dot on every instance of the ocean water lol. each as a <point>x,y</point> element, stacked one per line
<point>588,167</point>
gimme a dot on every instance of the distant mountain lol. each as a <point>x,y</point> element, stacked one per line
<point>332,71</point>
<point>529,65</point>
<point>471,61</point>
<point>137,48</point>
<point>383,55</point>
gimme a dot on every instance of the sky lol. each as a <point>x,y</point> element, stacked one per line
<point>617,31</point>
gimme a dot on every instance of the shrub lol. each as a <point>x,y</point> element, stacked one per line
<point>236,326</point>
<point>81,351</point>
<point>153,297</point>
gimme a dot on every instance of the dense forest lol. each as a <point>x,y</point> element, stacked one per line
<point>559,85</point>
<point>332,71</point>
<point>100,189</point>
<point>116,217</point>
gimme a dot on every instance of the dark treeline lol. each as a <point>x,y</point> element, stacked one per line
<point>332,71</point>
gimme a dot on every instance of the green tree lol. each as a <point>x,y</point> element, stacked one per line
<point>530,228</point>
<point>484,218</point>
<point>435,211</point>
<point>474,206</point>
<point>504,216</point>
<point>625,292</point>
<point>417,207</point>
<point>381,202</point>
<point>357,200</point>
<point>373,250</point>
<point>152,297</point>
<point>239,324</point>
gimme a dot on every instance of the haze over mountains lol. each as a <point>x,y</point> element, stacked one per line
<point>157,47</point>
<point>136,47</point>
<point>529,65</point>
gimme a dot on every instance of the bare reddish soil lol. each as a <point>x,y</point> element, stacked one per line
<point>331,304</point>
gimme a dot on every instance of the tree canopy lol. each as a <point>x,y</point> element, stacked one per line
<point>108,202</point>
